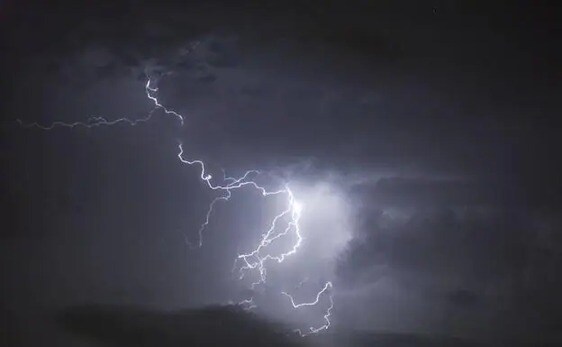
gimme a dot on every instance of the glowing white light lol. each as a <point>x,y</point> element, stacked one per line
<point>297,207</point>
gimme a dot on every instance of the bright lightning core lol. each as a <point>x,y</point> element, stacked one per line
<point>299,247</point>
<point>305,276</point>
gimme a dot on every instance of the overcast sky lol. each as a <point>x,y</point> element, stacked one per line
<point>423,138</point>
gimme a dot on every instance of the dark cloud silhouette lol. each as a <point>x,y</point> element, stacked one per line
<point>137,326</point>
<point>482,259</point>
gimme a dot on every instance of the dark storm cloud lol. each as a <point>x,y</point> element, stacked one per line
<point>392,99</point>
<point>137,326</point>
<point>441,119</point>
<point>403,191</point>
<point>466,256</point>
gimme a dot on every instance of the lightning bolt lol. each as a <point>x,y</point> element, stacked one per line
<point>257,259</point>
<point>227,187</point>
<point>95,121</point>
<point>92,122</point>
<point>248,304</point>
<point>311,330</point>
<point>149,90</point>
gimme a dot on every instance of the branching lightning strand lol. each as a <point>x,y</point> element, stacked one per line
<point>311,330</point>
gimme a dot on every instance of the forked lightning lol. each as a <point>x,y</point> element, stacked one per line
<point>257,259</point>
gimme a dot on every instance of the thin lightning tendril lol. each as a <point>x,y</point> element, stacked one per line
<point>311,330</point>
<point>157,104</point>
<point>255,260</point>
<point>248,304</point>
<point>95,121</point>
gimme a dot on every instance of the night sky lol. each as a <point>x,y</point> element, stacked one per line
<point>423,139</point>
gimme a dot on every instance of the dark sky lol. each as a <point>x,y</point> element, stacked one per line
<point>425,137</point>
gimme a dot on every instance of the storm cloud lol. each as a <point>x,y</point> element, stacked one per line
<point>424,134</point>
